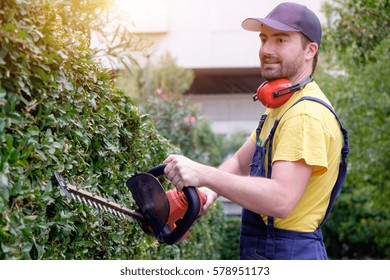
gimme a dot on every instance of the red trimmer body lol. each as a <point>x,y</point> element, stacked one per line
<point>169,215</point>
<point>178,206</point>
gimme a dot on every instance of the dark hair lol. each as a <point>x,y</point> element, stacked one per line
<point>305,41</point>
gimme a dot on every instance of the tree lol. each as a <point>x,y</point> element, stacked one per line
<point>356,28</point>
<point>359,32</point>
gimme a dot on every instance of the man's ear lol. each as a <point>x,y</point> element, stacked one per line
<point>311,50</point>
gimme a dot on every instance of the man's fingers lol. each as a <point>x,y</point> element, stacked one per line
<point>171,158</point>
<point>181,171</point>
<point>177,182</point>
<point>172,174</point>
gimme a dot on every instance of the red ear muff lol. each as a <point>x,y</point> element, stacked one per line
<point>275,93</point>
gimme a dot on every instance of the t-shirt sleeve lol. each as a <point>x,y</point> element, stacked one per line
<point>302,137</point>
<point>253,136</point>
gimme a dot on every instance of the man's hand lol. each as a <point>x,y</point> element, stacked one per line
<point>211,197</point>
<point>182,172</point>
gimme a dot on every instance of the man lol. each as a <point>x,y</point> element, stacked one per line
<point>293,157</point>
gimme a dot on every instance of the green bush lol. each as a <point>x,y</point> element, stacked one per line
<point>60,111</point>
<point>359,226</point>
<point>231,239</point>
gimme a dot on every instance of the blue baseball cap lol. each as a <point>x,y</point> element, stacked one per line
<point>289,17</point>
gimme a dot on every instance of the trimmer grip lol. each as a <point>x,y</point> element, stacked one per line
<point>167,235</point>
<point>158,170</point>
<point>182,226</point>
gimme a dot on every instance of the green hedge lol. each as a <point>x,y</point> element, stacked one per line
<point>60,111</point>
<point>231,239</point>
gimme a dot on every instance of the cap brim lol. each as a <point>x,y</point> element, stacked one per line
<point>255,24</point>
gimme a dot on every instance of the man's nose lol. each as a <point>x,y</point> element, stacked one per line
<point>266,48</point>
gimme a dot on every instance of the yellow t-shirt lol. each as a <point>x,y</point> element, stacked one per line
<point>308,131</point>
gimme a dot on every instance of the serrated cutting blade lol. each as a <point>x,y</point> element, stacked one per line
<point>96,201</point>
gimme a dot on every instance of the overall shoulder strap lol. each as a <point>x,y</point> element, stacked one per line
<point>343,162</point>
<point>345,149</point>
<point>344,153</point>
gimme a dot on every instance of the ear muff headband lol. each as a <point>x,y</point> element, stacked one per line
<point>293,88</point>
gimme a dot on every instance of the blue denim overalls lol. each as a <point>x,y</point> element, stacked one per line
<point>259,240</point>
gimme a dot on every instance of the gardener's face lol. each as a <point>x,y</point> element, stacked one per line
<point>281,54</point>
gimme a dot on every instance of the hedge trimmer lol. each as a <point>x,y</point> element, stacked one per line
<point>165,215</point>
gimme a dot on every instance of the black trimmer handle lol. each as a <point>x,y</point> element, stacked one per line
<point>158,170</point>
<point>167,235</point>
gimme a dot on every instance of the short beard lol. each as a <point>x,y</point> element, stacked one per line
<point>286,70</point>
<point>271,76</point>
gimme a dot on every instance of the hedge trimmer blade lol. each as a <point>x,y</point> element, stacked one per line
<point>96,201</point>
